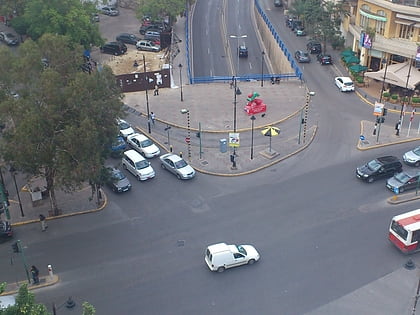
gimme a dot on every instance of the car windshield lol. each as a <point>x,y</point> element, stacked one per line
<point>348,83</point>
<point>417,151</point>
<point>142,164</point>
<point>180,164</point>
<point>124,125</point>
<point>119,141</point>
<point>241,249</point>
<point>146,143</point>
<point>374,165</point>
<point>118,175</point>
<point>402,177</point>
<point>399,229</point>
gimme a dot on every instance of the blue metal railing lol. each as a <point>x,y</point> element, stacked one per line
<point>250,77</point>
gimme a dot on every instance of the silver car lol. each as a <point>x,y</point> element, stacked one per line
<point>412,157</point>
<point>177,166</point>
<point>147,45</point>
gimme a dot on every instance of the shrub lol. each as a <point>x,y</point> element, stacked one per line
<point>415,100</point>
<point>386,94</point>
<point>394,96</point>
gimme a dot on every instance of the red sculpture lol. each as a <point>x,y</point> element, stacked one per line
<point>255,105</point>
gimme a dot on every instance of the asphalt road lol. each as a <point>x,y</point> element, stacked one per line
<point>321,233</point>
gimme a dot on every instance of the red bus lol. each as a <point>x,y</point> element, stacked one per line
<point>404,231</point>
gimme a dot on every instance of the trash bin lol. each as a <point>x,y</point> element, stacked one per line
<point>223,145</point>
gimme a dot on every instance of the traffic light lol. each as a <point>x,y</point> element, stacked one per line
<point>378,120</point>
<point>384,111</point>
<point>15,247</point>
<point>198,134</point>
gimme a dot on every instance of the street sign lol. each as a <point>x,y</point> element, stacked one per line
<point>187,139</point>
<point>378,109</point>
<point>233,139</point>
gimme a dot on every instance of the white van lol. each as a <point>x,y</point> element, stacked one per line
<point>222,256</point>
<point>137,165</point>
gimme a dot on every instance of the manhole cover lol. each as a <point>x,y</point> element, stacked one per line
<point>180,243</point>
<point>204,163</point>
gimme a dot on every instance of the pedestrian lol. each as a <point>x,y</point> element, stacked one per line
<point>44,225</point>
<point>35,274</point>
<point>374,129</point>
<point>397,128</point>
<point>152,118</point>
<point>156,90</point>
<point>232,82</point>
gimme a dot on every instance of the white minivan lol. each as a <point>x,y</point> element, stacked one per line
<point>222,256</point>
<point>137,165</point>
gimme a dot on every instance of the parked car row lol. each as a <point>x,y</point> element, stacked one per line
<point>390,167</point>
<point>134,149</point>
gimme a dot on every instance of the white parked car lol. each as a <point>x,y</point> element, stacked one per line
<point>177,165</point>
<point>344,84</point>
<point>137,165</point>
<point>221,256</point>
<point>412,157</point>
<point>125,128</point>
<point>143,145</point>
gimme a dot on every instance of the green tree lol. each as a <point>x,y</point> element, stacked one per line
<point>63,123</point>
<point>66,17</point>
<point>25,304</point>
<point>159,9</point>
<point>88,309</point>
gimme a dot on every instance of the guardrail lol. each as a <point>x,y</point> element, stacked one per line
<point>298,74</point>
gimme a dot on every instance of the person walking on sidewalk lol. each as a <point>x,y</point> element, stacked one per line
<point>35,274</point>
<point>44,225</point>
<point>156,92</point>
<point>152,118</point>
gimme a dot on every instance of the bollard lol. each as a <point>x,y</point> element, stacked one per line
<point>180,154</point>
<point>171,148</point>
<point>70,303</point>
<point>50,272</point>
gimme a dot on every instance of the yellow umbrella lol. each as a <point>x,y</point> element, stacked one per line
<point>271,132</point>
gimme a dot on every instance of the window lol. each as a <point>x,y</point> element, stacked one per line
<point>380,25</point>
<point>406,31</point>
<point>399,229</point>
<point>416,236</point>
<point>237,255</point>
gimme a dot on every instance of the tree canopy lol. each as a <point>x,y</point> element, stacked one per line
<point>322,19</point>
<point>62,123</point>
<point>66,17</point>
<point>159,9</point>
<point>25,304</point>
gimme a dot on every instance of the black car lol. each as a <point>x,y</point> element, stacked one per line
<point>324,59</point>
<point>114,48</point>
<point>314,47</point>
<point>5,231</point>
<point>278,3</point>
<point>118,182</point>
<point>155,27</point>
<point>243,51</point>
<point>128,38</point>
<point>381,167</point>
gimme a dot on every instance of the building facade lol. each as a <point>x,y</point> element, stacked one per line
<point>382,30</point>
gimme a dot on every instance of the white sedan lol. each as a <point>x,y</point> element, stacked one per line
<point>177,165</point>
<point>125,128</point>
<point>143,145</point>
<point>344,84</point>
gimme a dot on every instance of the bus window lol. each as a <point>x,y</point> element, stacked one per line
<point>399,229</point>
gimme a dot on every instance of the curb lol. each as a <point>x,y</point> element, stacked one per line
<point>394,200</point>
<point>68,214</point>
<point>54,280</point>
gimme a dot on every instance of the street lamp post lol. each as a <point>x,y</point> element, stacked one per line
<point>188,138</point>
<point>252,136</point>
<point>13,173</point>
<point>262,68</point>
<point>379,120</point>
<point>180,81</point>
<point>237,49</point>
<point>405,102</point>
<point>147,96</point>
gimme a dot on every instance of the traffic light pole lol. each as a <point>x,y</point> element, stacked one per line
<point>17,248</point>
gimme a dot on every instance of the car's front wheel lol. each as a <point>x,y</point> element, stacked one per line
<point>220,269</point>
<point>251,261</point>
<point>178,176</point>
